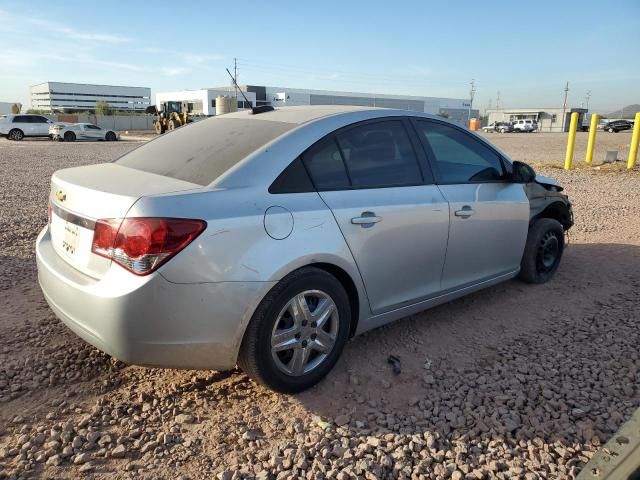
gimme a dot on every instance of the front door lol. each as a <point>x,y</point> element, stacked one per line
<point>489,215</point>
<point>393,218</point>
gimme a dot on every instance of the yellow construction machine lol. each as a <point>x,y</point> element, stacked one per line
<point>169,116</point>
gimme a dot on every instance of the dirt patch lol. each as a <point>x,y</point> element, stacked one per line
<point>516,381</point>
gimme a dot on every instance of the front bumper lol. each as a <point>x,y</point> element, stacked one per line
<point>149,320</point>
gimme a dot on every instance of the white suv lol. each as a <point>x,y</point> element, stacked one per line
<point>525,125</point>
<point>16,127</point>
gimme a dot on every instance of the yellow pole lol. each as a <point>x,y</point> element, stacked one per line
<point>568,159</point>
<point>592,137</point>
<point>635,139</point>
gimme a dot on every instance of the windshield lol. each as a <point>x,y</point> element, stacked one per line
<point>201,152</point>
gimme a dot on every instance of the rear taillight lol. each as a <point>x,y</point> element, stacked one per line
<point>141,245</point>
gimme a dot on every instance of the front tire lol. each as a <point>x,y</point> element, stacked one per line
<point>298,331</point>
<point>69,137</point>
<point>543,251</point>
<point>16,134</point>
<point>110,137</point>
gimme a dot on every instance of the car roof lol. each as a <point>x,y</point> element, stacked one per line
<point>305,113</point>
<point>311,123</point>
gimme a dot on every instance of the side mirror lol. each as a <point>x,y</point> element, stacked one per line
<point>523,173</point>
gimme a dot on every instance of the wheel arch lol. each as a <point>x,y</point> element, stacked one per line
<point>558,211</point>
<point>350,287</point>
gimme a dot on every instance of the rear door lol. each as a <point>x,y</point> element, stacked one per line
<point>489,215</point>
<point>392,216</point>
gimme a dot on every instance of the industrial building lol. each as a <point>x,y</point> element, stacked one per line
<point>82,97</point>
<point>203,101</point>
<point>549,119</point>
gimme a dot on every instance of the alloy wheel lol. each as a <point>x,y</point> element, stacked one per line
<point>305,332</point>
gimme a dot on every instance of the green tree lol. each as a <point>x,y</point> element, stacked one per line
<point>103,108</point>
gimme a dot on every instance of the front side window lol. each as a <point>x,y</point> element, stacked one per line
<point>458,157</point>
<point>379,154</point>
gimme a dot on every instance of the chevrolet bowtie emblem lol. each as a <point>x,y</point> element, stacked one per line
<point>61,196</point>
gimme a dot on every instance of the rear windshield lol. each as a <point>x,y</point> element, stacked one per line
<point>204,150</point>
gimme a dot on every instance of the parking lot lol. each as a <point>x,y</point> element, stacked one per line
<point>516,381</point>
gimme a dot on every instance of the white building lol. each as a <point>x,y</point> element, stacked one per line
<point>549,119</point>
<point>453,108</point>
<point>82,97</point>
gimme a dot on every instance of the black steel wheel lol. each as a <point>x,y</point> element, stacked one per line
<point>543,251</point>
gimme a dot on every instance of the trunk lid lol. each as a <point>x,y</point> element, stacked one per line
<point>80,196</point>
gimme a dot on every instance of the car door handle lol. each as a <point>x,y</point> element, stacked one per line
<point>366,219</point>
<point>464,212</point>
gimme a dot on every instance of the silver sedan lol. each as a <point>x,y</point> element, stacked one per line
<point>268,238</point>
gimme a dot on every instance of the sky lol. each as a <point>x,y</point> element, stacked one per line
<point>525,50</point>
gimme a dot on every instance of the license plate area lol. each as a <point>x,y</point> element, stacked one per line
<point>70,239</point>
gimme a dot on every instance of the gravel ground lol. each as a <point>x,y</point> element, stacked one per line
<point>549,148</point>
<point>516,381</point>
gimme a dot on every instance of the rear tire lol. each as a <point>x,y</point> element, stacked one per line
<point>69,137</point>
<point>611,130</point>
<point>543,251</point>
<point>275,366</point>
<point>173,124</point>
<point>16,134</point>
<point>110,137</point>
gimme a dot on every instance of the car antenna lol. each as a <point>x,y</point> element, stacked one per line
<point>254,110</point>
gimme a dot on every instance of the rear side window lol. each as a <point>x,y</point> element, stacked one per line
<point>293,179</point>
<point>21,119</point>
<point>458,157</point>
<point>379,154</point>
<point>325,165</point>
<point>203,151</point>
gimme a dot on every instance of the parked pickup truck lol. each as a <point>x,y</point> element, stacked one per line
<point>501,127</point>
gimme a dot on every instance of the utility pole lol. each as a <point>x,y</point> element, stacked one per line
<point>587,97</point>
<point>471,94</point>
<point>564,105</point>
<point>235,76</point>
<point>498,101</point>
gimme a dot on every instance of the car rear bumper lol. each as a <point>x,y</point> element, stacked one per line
<point>149,320</point>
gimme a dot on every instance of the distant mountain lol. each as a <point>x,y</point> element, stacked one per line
<point>627,112</point>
